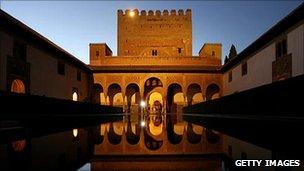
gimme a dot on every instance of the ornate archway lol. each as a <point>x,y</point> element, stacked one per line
<point>172,99</point>
<point>194,94</point>
<point>114,94</point>
<point>212,91</point>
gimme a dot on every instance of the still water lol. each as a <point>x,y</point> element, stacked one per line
<point>126,142</point>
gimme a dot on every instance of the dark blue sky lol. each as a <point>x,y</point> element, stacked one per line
<point>74,24</point>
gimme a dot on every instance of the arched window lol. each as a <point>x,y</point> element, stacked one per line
<point>17,86</point>
<point>75,96</point>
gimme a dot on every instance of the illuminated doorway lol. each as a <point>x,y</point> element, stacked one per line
<point>17,86</point>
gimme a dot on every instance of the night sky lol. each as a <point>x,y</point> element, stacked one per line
<point>74,24</point>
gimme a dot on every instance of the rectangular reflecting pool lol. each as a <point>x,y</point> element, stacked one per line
<point>127,142</point>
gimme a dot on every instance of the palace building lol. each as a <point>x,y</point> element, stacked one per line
<point>155,63</point>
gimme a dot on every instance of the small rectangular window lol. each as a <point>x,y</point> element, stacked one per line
<point>78,76</point>
<point>179,50</point>
<point>284,47</point>
<point>213,53</point>
<point>244,68</point>
<point>154,52</point>
<point>281,48</point>
<point>61,68</point>
<point>230,76</point>
<point>97,53</point>
<point>19,51</point>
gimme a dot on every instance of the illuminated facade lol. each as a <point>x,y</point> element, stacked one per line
<point>155,63</point>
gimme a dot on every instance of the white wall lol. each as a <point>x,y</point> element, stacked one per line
<point>259,72</point>
<point>260,65</point>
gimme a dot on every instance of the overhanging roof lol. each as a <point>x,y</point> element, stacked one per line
<point>12,25</point>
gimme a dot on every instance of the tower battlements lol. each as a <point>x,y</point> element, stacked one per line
<point>143,13</point>
<point>154,33</point>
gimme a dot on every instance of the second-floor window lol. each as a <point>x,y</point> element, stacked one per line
<point>19,51</point>
<point>179,50</point>
<point>230,76</point>
<point>154,52</point>
<point>281,48</point>
<point>60,68</point>
<point>78,76</point>
<point>244,68</point>
<point>213,53</point>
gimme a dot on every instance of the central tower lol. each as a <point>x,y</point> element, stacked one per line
<point>154,33</point>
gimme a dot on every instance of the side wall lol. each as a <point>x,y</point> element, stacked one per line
<point>259,66</point>
<point>44,79</point>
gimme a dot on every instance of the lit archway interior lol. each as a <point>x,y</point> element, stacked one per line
<point>118,99</point>
<point>194,94</point>
<point>151,84</point>
<point>75,96</point>
<point>155,96</point>
<point>173,90</point>
<point>99,96</point>
<point>17,86</point>
<point>132,96</point>
<point>114,94</point>
<point>179,98</point>
<point>212,92</point>
<point>197,98</point>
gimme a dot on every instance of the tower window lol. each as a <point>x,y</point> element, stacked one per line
<point>213,53</point>
<point>154,52</point>
<point>179,50</point>
<point>97,53</point>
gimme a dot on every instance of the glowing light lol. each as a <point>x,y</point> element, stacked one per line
<point>132,14</point>
<point>19,145</point>
<point>142,123</point>
<point>75,96</point>
<point>75,132</point>
<point>143,104</point>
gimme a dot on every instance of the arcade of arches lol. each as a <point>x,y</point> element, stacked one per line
<point>169,91</point>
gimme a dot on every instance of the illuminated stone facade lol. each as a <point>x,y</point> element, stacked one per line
<point>154,33</point>
<point>155,59</point>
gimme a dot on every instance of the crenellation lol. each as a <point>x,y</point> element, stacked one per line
<point>158,13</point>
<point>165,12</point>
<point>150,12</point>
<point>127,12</point>
<point>120,12</point>
<point>143,12</point>
<point>180,12</point>
<point>164,32</point>
<point>173,12</point>
<point>136,12</point>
